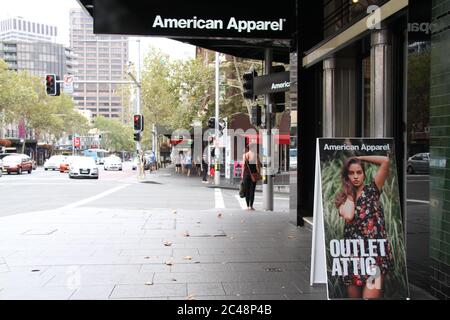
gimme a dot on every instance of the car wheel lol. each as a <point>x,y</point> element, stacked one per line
<point>410,170</point>
<point>45,169</point>
<point>19,171</point>
<point>29,171</point>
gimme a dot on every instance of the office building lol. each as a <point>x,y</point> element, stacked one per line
<point>101,61</point>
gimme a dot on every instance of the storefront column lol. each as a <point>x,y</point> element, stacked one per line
<point>381,84</point>
<point>329,104</point>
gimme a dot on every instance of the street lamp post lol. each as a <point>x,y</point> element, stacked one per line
<point>217,148</point>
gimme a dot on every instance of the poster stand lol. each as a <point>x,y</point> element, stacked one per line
<point>358,250</point>
<point>318,257</point>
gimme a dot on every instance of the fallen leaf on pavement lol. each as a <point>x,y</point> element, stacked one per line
<point>291,237</point>
<point>188,258</point>
<point>191,297</point>
<point>149,283</point>
<point>174,279</point>
<point>169,263</point>
<point>186,234</point>
<point>174,211</point>
<point>146,257</point>
<point>242,221</point>
<point>219,215</point>
<point>167,243</point>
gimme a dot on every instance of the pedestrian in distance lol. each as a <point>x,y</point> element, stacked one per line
<point>360,206</point>
<point>205,168</point>
<point>198,166</point>
<point>177,163</point>
<point>182,161</point>
<point>251,174</point>
<point>188,164</point>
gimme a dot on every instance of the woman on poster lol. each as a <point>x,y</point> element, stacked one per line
<point>359,205</point>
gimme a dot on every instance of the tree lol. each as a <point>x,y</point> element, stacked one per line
<point>8,97</point>
<point>115,136</point>
<point>64,118</point>
<point>159,96</point>
<point>194,81</point>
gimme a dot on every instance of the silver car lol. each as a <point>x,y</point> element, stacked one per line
<point>419,163</point>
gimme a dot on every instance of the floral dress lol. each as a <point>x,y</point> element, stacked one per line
<point>368,223</point>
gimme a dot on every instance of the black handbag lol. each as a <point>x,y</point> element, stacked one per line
<point>242,190</point>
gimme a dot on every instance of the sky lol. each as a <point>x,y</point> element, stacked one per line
<point>56,12</point>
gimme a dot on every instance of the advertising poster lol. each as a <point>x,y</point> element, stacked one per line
<point>362,227</point>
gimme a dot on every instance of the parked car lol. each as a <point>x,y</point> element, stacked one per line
<point>419,163</point>
<point>83,167</point>
<point>17,163</point>
<point>54,162</point>
<point>112,163</point>
<point>1,167</point>
<point>2,155</point>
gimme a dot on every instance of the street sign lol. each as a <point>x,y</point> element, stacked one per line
<point>68,83</point>
<point>271,83</point>
<point>76,142</point>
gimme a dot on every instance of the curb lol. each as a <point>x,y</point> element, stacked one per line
<point>237,189</point>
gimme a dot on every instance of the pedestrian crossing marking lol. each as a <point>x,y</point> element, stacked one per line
<point>241,201</point>
<point>220,204</point>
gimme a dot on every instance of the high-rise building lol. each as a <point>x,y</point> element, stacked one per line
<point>19,29</point>
<point>31,46</point>
<point>38,58</point>
<point>101,59</point>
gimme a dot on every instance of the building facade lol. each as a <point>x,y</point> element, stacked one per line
<point>19,29</point>
<point>101,59</point>
<point>380,69</point>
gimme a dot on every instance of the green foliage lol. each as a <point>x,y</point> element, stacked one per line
<point>395,282</point>
<point>23,98</point>
<point>175,94</point>
<point>115,136</point>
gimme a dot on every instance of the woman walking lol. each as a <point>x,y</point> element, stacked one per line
<point>250,175</point>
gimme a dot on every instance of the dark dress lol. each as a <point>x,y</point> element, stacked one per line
<point>368,223</point>
<point>249,185</point>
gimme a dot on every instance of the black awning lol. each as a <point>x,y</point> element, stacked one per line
<point>252,48</point>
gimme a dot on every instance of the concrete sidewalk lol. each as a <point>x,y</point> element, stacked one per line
<point>88,252</point>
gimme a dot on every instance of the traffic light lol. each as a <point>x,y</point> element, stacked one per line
<point>248,78</point>
<point>138,120</point>
<point>52,85</point>
<point>256,115</point>
<point>212,123</point>
<point>137,136</point>
<point>279,100</point>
